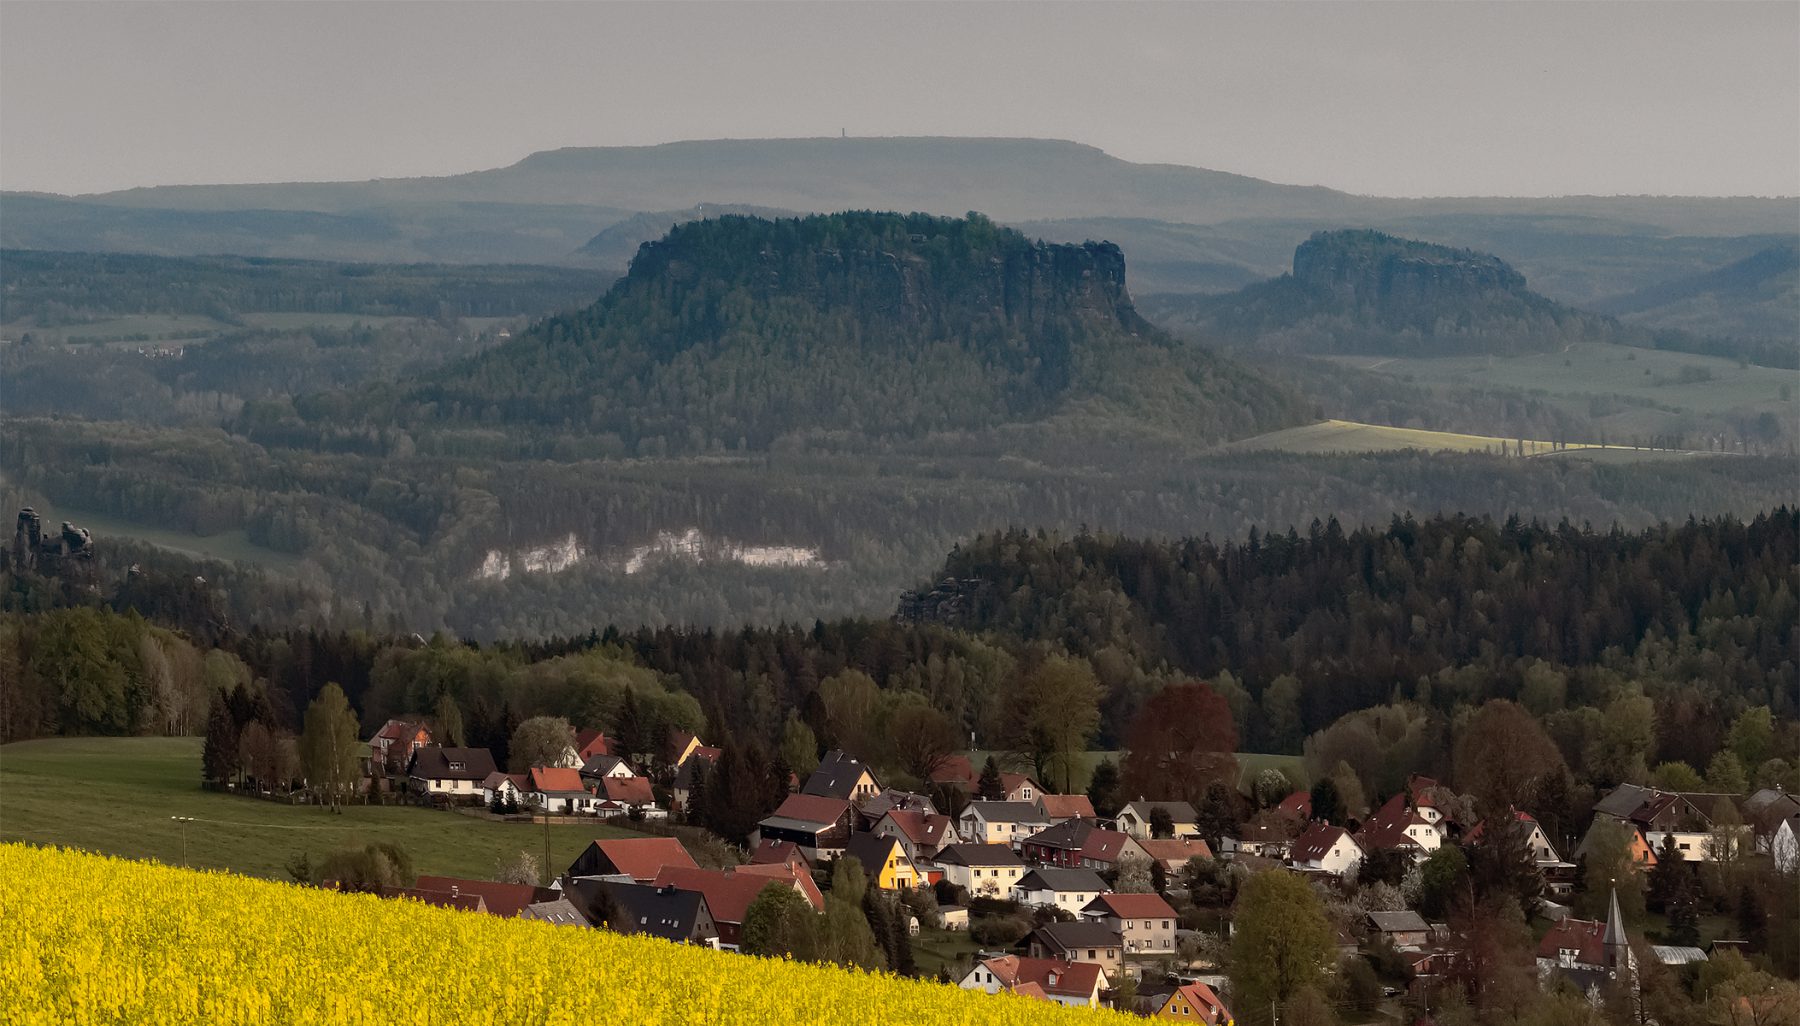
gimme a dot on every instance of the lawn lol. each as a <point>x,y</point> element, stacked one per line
<point>934,949</point>
<point>115,795</point>
<point>226,546</point>
<point>1249,765</point>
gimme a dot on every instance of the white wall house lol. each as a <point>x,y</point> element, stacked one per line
<point>1068,889</point>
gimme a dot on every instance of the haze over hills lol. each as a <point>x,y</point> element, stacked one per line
<point>1368,292</point>
<point>1756,297</point>
<point>1216,230</point>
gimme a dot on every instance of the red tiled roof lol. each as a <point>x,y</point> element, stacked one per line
<point>503,899</point>
<point>1104,845</point>
<point>1134,906</point>
<point>629,790</point>
<point>1312,845</point>
<point>728,893</point>
<point>919,828</point>
<point>1050,976</point>
<point>1067,806</point>
<point>555,779</point>
<point>800,875</point>
<point>955,770</point>
<point>1202,997</point>
<point>1297,804</point>
<point>644,857</point>
<point>770,852</point>
<point>589,743</point>
<point>812,808</point>
<point>1176,850</point>
<point>442,899</point>
<point>1584,936</point>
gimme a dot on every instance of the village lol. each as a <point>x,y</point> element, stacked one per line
<point>1005,886</point>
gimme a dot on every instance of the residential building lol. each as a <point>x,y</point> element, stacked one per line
<point>667,912</point>
<point>394,744</point>
<point>599,767</point>
<point>1196,1002</point>
<point>1559,876</point>
<point>922,835</point>
<point>619,796</point>
<point>1145,922</point>
<point>1084,940</point>
<point>870,811</point>
<point>1784,844</point>
<point>1068,889</point>
<point>556,912</point>
<point>451,772</point>
<point>1686,817</point>
<point>1058,808</point>
<point>681,745</point>
<point>591,744</point>
<point>885,862</point>
<point>1174,852</point>
<point>985,870</point>
<point>1081,844</point>
<point>509,786</point>
<point>771,852</point>
<point>1000,822</point>
<point>1405,929</point>
<point>700,761</point>
<point>1134,818</point>
<point>1077,984</point>
<point>1324,848</point>
<point>500,899</point>
<point>841,775</point>
<point>1398,826</point>
<point>815,823</point>
<point>728,894</point>
<point>960,772</point>
<point>639,858</point>
<point>558,789</point>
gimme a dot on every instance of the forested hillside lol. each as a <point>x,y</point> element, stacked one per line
<point>738,334</point>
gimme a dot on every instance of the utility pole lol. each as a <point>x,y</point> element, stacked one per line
<point>545,875</point>
<point>184,821</point>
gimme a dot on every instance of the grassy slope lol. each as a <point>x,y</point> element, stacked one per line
<point>1335,436</point>
<point>1592,369</point>
<point>226,546</point>
<point>115,795</point>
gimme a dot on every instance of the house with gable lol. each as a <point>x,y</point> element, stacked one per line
<point>558,789</point>
<point>884,861</point>
<point>599,767</point>
<point>507,900</point>
<point>398,739</point>
<point>813,822</point>
<point>638,858</point>
<point>1134,818</point>
<point>1081,844</point>
<point>1685,817</point>
<point>1076,984</point>
<point>509,786</point>
<point>1068,889</point>
<point>729,893</point>
<point>450,772</point>
<point>667,912</point>
<point>922,835</point>
<point>1323,848</point>
<point>1174,852</point>
<point>1559,876</point>
<point>1059,808</point>
<point>1145,922</point>
<point>701,760</point>
<point>1398,826</point>
<point>590,744</point>
<point>841,775</point>
<point>1084,940</point>
<point>984,870</point>
<point>621,796</point>
<point>959,772</point>
<point>1000,822</point>
<point>870,811</point>
<point>1196,1002</point>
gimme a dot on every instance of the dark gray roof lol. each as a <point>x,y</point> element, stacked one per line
<point>600,765</point>
<point>1399,922</point>
<point>1008,812</point>
<point>1623,801</point>
<point>666,912</point>
<point>1180,812</point>
<point>979,855</point>
<point>1086,933</point>
<point>1070,833</point>
<point>561,912</point>
<point>451,764</point>
<point>872,851</point>
<point>836,776</point>
<point>1048,878</point>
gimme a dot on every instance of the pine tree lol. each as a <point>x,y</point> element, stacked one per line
<point>1103,789</point>
<point>219,756</point>
<point>991,787</point>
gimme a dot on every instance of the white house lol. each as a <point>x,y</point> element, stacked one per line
<point>618,796</point>
<point>1068,889</point>
<point>509,786</point>
<point>1134,818</point>
<point>452,772</point>
<point>558,789</point>
<point>985,870</point>
<point>1000,822</point>
<point>1324,848</point>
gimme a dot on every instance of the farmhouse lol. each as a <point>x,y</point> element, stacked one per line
<point>1067,983</point>
<point>639,858</point>
<point>1081,844</point>
<point>454,772</point>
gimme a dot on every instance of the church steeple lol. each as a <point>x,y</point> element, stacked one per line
<point>1618,948</point>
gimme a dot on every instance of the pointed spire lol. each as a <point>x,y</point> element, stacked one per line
<point>1615,924</point>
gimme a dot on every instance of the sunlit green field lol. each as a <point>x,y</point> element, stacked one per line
<point>115,795</point>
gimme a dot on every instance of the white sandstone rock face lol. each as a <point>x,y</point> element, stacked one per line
<point>691,545</point>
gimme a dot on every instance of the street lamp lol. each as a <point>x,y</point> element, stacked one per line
<point>184,821</point>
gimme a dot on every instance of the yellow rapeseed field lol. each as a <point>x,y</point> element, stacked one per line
<point>91,939</point>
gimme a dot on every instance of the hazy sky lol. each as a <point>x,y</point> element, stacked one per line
<point>1392,99</point>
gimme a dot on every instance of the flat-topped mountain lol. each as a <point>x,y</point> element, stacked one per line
<point>738,332</point>
<point>1361,291</point>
